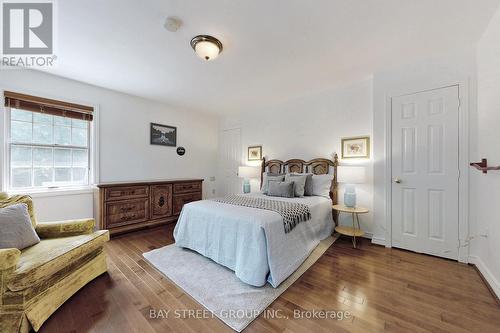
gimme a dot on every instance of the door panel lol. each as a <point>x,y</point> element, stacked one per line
<point>436,214</point>
<point>425,172</point>
<point>408,211</point>
<point>409,150</point>
<point>436,149</point>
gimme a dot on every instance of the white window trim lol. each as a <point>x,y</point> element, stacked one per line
<point>46,192</point>
<point>54,192</point>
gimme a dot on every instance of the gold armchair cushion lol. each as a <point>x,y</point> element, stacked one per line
<point>16,199</point>
<point>50,257</point>
<point>9,258</point>
<point>65,228</point>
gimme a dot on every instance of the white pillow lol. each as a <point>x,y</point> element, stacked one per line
<point>321,185</point>
<point>16,230</point>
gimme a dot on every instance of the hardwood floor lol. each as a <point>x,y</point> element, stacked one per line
<point>383,289</point>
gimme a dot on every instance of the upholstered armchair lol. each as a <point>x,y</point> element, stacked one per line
<point>35,281</point>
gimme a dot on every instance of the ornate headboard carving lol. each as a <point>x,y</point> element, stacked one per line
<point>317,166</point>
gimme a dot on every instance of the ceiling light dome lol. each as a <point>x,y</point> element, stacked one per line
<point>206,47</point>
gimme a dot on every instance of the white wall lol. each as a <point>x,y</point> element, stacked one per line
<point>441,71</point>
<point>485,189</point>
<point>311,127</point>
<point>124,150</point>
<point>64,206</point>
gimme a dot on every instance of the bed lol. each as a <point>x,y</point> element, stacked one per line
<point>251,241</point>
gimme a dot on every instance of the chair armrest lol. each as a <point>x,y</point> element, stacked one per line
<point>65,228</point>
<point>9,258</point>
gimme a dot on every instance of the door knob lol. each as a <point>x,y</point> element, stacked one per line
<point>397,180</point>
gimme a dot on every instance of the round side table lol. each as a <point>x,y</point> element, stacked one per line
<point>348,231</point>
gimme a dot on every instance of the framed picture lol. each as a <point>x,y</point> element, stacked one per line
<point>358,147</point>
<point>163,135</point>
<point>255,153</point>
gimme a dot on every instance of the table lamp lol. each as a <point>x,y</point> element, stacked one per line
<point>247,173</point>
<point>350,175</point>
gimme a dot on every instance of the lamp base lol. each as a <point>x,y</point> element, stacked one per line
<point>246,186</point>
<point>350,196</point>
<point>350,199</point>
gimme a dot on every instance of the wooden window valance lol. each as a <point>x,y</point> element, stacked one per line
<point>48,106</point>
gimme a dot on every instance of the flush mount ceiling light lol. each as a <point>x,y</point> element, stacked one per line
<point>206,47</point>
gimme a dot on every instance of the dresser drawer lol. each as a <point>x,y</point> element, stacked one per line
<point>187,187</point>
<point>122,213</point>
<point>182,199</point>
<point>126,192</point>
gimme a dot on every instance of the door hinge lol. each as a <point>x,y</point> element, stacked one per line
<point>459,102</point>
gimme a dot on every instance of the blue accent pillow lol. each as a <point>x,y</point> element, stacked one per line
<point>270,177</point>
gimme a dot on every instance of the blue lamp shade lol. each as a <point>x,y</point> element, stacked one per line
<point>350,175</point>
<point>247,173</point>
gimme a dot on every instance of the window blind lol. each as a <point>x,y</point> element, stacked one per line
<point>48,106</point>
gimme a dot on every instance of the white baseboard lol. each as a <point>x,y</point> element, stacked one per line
<point>492,281</point>
<point>378,240</point>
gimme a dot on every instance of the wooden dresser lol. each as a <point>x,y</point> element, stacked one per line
<point>130,206</point>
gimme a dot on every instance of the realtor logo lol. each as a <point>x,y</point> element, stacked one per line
<point>27,28</point>
<point>27,34</point>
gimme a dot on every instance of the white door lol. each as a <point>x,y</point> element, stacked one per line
<point>425,172</point>
<point>230,159</point>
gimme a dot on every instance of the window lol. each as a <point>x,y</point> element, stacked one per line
<point>49,146</point>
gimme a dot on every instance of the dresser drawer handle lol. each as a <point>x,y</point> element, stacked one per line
<point>127,192</point>
<point>129,217</point>
<point>127,209</point>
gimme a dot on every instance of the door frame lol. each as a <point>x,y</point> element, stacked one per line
<point>463,163</point>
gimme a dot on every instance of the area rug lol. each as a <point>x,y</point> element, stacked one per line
<point>218,289</point>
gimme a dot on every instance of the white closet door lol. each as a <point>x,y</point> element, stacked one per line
<point>231,160</point>
<point>425,172</point>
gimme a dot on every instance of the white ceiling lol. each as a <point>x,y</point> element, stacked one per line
<point>273,49</point>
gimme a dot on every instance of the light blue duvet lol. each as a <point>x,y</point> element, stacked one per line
<point>251,241</point>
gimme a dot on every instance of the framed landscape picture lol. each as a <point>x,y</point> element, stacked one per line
<point>255,153</point>
<point>163,135</point>
<point>358,147</point>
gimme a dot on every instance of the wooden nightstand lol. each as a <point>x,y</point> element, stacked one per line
<point>348,231</point>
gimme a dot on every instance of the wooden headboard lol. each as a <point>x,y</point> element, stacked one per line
<point>317,166</point>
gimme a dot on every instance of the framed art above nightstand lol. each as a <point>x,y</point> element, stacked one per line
<point>255,153</point>
<point>356,147</point>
